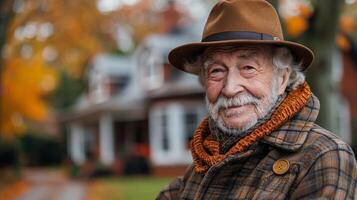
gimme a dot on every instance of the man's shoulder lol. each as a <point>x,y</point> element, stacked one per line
<point>321,140</point>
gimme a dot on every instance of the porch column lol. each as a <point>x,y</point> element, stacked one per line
<point>76,144</point>
<point>176,132</point>
<point>106,140</point>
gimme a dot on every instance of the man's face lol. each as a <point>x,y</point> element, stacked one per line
<point>241,86</point>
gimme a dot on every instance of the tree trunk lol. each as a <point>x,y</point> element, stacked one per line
<point>325,73</point>
<point>6,13</point>
<point>275,3</point>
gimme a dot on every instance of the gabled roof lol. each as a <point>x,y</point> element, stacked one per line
<point>187,85</point>
<point>123,107</point>
<point>131,102</point>
<point>165,42</point>
<point>112,64</point>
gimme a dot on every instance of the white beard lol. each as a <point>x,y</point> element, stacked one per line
<point>240,100</point>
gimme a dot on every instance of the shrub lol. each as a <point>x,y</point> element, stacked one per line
<point>9,154</point>
<point>41,150</point>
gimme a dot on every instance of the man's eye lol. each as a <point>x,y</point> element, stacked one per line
<point>216,73</point>
<point>248,68</point>
<point>216,70</point>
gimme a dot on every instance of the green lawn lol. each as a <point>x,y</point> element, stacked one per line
<point>128,188</point>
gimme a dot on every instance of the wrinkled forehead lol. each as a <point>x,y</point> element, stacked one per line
<point>244,52</point>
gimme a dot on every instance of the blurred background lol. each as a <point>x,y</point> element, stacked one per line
<point>91,109</point>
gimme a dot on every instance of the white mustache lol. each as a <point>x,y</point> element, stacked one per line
<point>239,100</point>
<point>261,105</point>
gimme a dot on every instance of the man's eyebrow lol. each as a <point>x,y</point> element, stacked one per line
<point>248,54</point>
<point>209,62</point>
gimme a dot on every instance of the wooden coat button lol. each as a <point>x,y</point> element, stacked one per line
<point>281,166</point>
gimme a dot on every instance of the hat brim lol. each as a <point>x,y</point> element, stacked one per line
<point>180,55</point>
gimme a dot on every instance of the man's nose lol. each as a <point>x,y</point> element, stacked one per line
<point>233,85</point>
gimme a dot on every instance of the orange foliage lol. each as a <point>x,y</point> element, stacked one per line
<point>32,61</point>
<point>342,42</point>
<point>296,16</point>
<point>347,24</point>
<point>22,90</point>
<point>139,17</point>
<point>296,25</point>
<point>15,190</point>
<point>77,32</point>
<point>304,10</point>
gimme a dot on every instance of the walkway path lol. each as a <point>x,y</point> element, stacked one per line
<point>47,184</point>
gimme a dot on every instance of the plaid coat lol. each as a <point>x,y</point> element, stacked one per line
<point>322,166</point>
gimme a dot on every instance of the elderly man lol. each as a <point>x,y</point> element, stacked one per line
<point>260,140</point>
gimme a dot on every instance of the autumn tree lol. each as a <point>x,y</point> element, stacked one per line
<point>6,15</point>
<point>323,75</point>
<point>43,38</point>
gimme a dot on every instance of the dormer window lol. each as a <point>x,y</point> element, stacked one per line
<point>98,87</point>
<point>171,73</point>
<point>118,83</point>
<point>108,75</point>
<point>151,65</point>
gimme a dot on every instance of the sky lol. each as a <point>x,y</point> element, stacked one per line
<point>195,7</point>
<point>109,5</point>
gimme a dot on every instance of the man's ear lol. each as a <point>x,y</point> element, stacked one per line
<point>283,79</point>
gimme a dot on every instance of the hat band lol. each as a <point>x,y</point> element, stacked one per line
<point>237,35</point>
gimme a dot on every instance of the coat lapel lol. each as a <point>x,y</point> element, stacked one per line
<point>292,135</point>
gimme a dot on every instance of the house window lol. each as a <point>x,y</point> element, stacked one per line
<point>151,64</point>
<point>164,129</point>
<point>97,86</point>
<point>191,121</point>
<point>118,83</point>
<point>192,116</point>
<point>171,73</point>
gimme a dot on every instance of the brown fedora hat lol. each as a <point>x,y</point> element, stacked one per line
<point>239,22</point>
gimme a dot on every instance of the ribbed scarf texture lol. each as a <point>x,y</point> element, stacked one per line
<point>205,149</point>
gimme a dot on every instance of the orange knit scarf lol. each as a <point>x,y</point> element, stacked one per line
<point>205,150</point>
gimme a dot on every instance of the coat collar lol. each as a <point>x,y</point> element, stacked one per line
<point>293,134</point>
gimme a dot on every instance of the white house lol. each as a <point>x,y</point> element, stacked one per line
<point>175,103</point>
<point>137,105</point>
